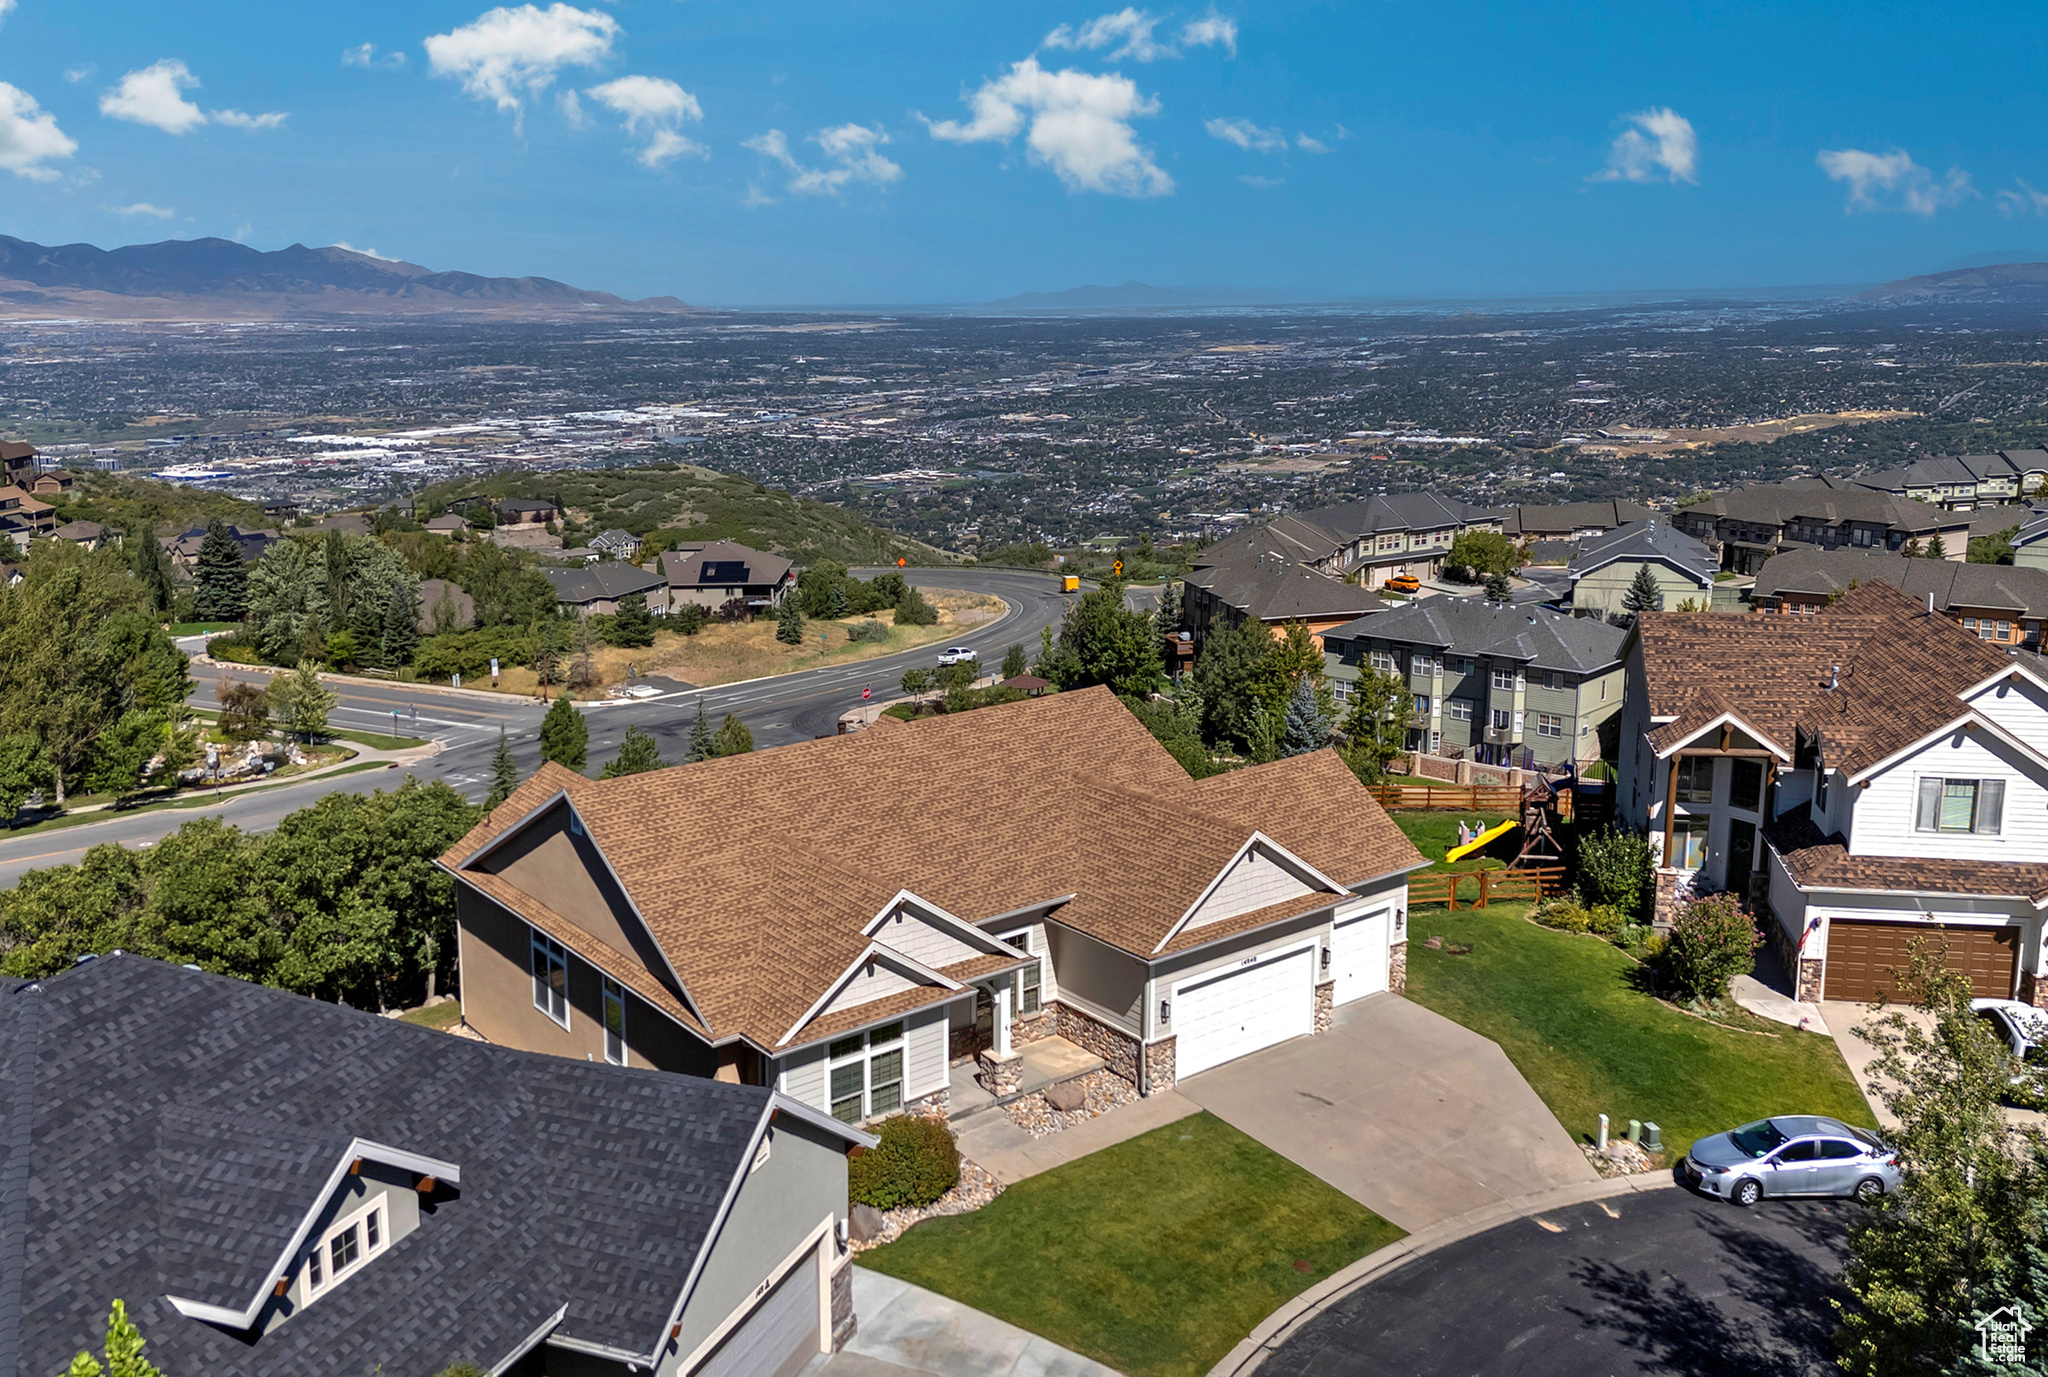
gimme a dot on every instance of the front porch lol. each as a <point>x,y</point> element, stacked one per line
<point>1037,1065</point>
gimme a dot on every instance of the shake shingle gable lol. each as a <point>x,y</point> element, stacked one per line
<point>1064,802</point>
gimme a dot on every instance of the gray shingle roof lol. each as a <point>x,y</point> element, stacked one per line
<point>1568,518</point>
<point>1828,499</point>
<point>1248,575</point>
<point>1816,572</point>
<point>1473,626</point>
<point>1405,511</point>
<point>1646,541</point>
<point>594,582</point>
<point>157,1124</point>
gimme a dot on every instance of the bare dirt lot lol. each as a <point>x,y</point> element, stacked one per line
<point>1763,432</point>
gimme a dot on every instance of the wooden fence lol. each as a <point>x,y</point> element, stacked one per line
<point>1448,798</point>
<point>1477,888</point>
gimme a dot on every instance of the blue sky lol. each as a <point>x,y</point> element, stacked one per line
<point>855,152</point>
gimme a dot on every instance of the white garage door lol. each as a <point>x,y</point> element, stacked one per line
<point>779,1337</point>
<point>1358,955</point>
<point>1242,1011</point>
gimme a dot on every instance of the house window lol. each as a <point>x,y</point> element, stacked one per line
<point>1970,625</point>
<point>1552,679</point>
<point>345,1247</point>
<point>1961,805</point>
<point>1746,785</point>
<point>1385,662</point>
<point>1422,705</point>
<point>1504,679</point>
<point>1465,666</point>
<point>1340,689</point>
<point>1549,724</point>
<point>1458,709</point>
<point>1425,664</point>
<point>867,1073</point>
<point>1695,780</point>
<point>1500,719</point>
<point>614,1022</point>
<point>551,978</point>
<point>1030,990</point>
<point>575,824</point>
<point>1688,844</point>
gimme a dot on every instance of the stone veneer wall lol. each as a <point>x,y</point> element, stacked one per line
<point>964,1044</point>
<point>1113,1045</point>
<point>1397,967</point>
<point>1675,889</point>
<point>1032,1027</point>
<point>2033,990</point>
<point>1806,971</point>
<point>1159,1066</point>
<point>844,1321</point>
<point>1326,1006</point>
<point>936,1105</point>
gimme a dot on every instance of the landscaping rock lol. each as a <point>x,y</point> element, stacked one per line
<point>1101,1092</point>
<point>977,1187</point>
<point>1067,1096</point>
<point>865,1223</point>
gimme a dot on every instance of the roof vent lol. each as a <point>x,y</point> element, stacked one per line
<point>1834,677</point>
<point>1930,604</point>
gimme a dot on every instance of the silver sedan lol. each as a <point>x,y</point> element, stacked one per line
<point>1792,1154</point>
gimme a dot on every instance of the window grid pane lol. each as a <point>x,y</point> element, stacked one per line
<point>1958,804</point>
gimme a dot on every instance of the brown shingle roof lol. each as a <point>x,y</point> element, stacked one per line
<point>1901,672</point>
<point>756,873</point>
<point>1818,861</point>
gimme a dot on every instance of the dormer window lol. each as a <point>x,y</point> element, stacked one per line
<point>343,1249</point>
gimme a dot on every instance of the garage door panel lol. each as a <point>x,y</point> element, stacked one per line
<point>1358,955</point>
<point>1241,1011</point>
<point>1866,959</point>
<point>781,1334</point>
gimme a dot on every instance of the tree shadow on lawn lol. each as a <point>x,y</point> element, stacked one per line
<point>1764,1311</point>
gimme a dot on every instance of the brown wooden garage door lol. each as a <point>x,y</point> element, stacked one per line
<point>1862,957</point>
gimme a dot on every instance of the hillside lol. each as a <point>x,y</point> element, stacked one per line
<point>696,504</point>
<point>127,502</point>
<point>2002,283</point>
<point>217,279</point>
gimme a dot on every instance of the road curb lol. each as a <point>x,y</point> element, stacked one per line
<point>1280,1326</point>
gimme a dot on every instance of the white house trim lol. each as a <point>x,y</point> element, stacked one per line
<point>874,951</point>
<point>527,1344</point>
<point>960,928</point>
<point>1969,721</point>
<point>1725,719</point>
<point>795,1257</point>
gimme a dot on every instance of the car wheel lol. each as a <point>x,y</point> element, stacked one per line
<point>1747,1193</point>
<point>1869,1189</point>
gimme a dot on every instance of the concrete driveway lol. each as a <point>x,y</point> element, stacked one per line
<point>1412,1115</point>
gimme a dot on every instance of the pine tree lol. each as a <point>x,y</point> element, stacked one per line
<point>689,619</point>
<point>733,737</point>
<point>633,627</point>
<point>564,735</point>
<point>1169,609</point>
<point>400,634</point>
<point>700,736</point>
<point>789,623</point>
<point>1013,662</point>
<point>1935,549</point>
<point>153,568</point>
<point>1499,591</point>
<point>1644,593</point>
<point>220,584</point>
<point>638,753</point>
<point>504,773</point>
<point>1913,550</point>
<point>1308,729</point>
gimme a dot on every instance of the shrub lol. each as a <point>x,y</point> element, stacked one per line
<point>1606,919</point>
<point>915,1164</point>
<point>688,619</point>
<point>913,610</point>
<point>232,649</point>
<point>869,630</point>
<point>1711,943</point>
<point>1614,868</point>
<point>1564,914</point>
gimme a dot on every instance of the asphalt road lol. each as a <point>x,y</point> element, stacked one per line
<point>791,707</point>
<point>1664,1282</point>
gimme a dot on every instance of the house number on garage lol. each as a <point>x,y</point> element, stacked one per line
<point>1248,961</point>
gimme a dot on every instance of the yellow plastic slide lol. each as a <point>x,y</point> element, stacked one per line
<point>1480,842</point>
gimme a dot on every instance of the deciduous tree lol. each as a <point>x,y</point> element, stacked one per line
<point>1475,554</point>
<point>123,1349</point>
<point>244,710</point>
<point>1013,662</point>
<point>1103,642</point>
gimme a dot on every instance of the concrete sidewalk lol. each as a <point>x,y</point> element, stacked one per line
<point>907,1329</point>
<point>1012,1155</point>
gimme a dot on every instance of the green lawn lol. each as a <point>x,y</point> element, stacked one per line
<point>176,629</point>
<point>1155,1256</point>
<point>1567,1012</point>
<point>377,741</point>
<point>442,1016</point>
<point>1436,833</point>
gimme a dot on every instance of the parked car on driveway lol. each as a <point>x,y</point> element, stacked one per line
<point>1792,1154</point>
<point>1404,583</point>
<point>2021,1028</point>
<point>958,655</point>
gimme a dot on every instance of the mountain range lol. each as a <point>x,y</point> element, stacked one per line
<point>1995,284</point>
<point>218,279</point>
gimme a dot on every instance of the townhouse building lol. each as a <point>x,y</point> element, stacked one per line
<point>1605,567</point>
<point>1381,537</point>
<point>1964,482</point>
<point>1503,685</point>
<point>2004,604</point>
<point>1749,525</point>
<point>1871,777</point>
<point>1250,577</point>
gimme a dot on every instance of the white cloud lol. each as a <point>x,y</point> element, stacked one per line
<point>1254,179</point>
<point>153,96</point>
<point>74,75</point>
<point>145,208</point>
<point>1309,145</point>
<point>29,136</point>
<point>366,55</point>
<point>367,253</point>
<point>572,110</point>
<point>1893,181</point>
<point>508,54</point>
<point>851,146</point>
<point>235,119</point>
<point>653,107</point>
<point>756,197</point>
<point>1079,124</point>
<point>2025,201</point>
<point>1659,143</point>
<point>1246,135</point>
<point>1129,30</point>
<point>1212,30</point>
<point>5,5</point>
